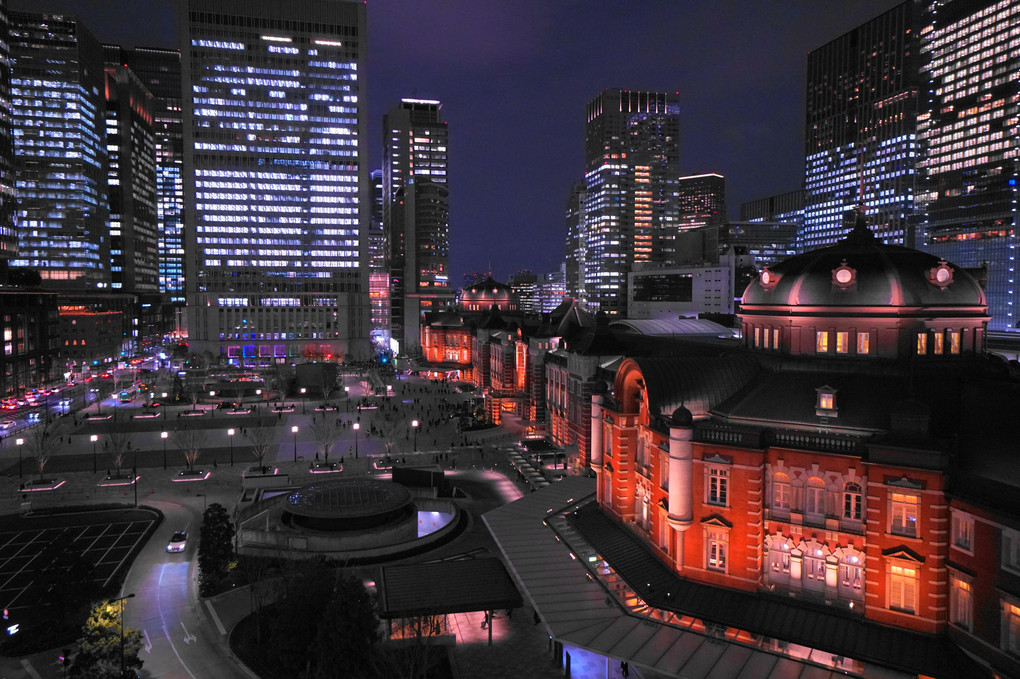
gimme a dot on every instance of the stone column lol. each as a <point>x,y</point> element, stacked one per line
<point>681,477</point>
<point>596,432</point>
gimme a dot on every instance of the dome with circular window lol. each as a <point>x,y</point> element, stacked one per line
<point>485,294</point>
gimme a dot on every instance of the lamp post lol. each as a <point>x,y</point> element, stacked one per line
<point>163,435</point>
<point>230,433</point>
<point>357,426</point>
<point>294,430</point>
<point>164,405</point>
<point>212,413</point>
<point>99,401</point>
<point>94,438</point>
<point>134,474</point>
<point>121,600</point>
<point>303,390</point>
<point>347,393</point>
<point>20,443</point>
<point>414,425</point>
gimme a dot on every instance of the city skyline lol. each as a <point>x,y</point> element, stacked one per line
<point>491,65</point>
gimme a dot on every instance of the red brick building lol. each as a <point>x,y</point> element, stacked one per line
<point>855,460</point>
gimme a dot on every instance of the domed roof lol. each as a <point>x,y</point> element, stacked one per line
<point>489,290</point>
<point>860,270</point>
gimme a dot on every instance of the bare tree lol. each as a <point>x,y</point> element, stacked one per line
<point>119,443</point>
<point>327,381</point>
<point>387,428</point>
<point>191,441</point>
<point>42,443</point>
<point>413,653</point>
<point>261,437</point>
<point>325,432</point>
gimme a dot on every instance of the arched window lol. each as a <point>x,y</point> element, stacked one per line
<point>814,497</point>
<point>779,564</point>
<point>781,492</point>
<point>851,576</point>
<point>852,502</point>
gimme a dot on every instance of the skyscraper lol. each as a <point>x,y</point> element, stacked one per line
<point>701,199</point>
<point>574,261</point>
<point>787,208</point>
<point>134,237</point>
<point>8,237</point>
<point>378,265</point>
<point>160,71</point>
<point>60,151</point>
<point>273,131</point>
<point>632,150</point>
<point>416,213</point>
<point>861,145</point>
<point>970,134</point>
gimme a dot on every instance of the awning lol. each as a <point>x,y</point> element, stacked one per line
<point>446,587</point>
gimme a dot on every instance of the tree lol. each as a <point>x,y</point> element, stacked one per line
<point>42,442</point>
<point>387,428</point>
<point>413,659</point>
<point>215,548</point>
<point>325,432</point>
<point>307,590</point>
<point>345,642</point>
<point>261,437</point>
<point>191,441</point>
<point>119,443</point>
<point>99,648</point>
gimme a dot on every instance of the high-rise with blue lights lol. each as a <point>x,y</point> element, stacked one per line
<point>970,134</point>
<point>861,133</point>
<point>416,213</point>
<point>273,160</point>
<point>8,237</point>
<point>57,107</point>
<point>630,215</point>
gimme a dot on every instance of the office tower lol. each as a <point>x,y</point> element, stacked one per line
<point>701,199</point>
<point>525,285</point>
<point>970,134</point>
<point>860,145</point>
<point>60,151</point>
<point>632,150</point>
<point>573,262</point>
<point>416,211</point>
<point>787,208</point>
<point>273,130</point>
<point>160,72</point>
<point>552,289</point>
<point>378,267</point>
<point>131,146</point>
<point>8,237</point>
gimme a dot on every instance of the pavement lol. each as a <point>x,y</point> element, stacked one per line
<point>519,648</point>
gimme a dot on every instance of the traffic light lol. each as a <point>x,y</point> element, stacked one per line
<point>7,616</point>
<point>65,657</point>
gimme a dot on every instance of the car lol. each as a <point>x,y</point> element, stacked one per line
<point>7,424</point>
<point>178,542</point>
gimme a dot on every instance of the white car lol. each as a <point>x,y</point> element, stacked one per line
<point>178,542</point>
<point>6,424</point>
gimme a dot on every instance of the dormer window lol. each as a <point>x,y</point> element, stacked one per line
<point>825,406</point>
<point>922,343</point>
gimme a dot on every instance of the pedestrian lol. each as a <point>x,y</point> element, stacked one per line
<point>485,620</point>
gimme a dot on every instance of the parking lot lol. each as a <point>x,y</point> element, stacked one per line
<point>105,541</point>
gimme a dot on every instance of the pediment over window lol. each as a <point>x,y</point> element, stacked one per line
<point>903,552</point>
<point>716,520</point>
<point>717,459</point>
<point>904,482</point>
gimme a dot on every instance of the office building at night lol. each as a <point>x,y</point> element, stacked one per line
<point>969,129</point>
<point>701,200</point>
<point>273,157</point>
<point>574,260</point>
<point>8,199</point>
<point>160,72</point>
<point>57,103</point>
<point>861,144</point>
<point>630,212</point>
<point>378,265</point>
<point>416,214</point>
<point>786,208</point>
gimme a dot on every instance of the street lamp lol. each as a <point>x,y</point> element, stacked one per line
<point>164,404</point>
<point>99,401</point>
<point>94,438</point>
<point>347,393</point>
<point>357,426</point>
<point>121,600</point>
<point>20,443</point>
<point>163,435</point>
<point>230,433</point>
<point>303,390</point>
<point>294,430</point>
<point>414,425</point>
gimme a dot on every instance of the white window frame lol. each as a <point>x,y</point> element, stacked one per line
<point>961,601</point>
<point>787,487</point>
<point>851,577</point>
<point>902,588</point>
<point>721,475</point>
<point>717,548</point>
<point>1010,625</point>
<point>842,342</point>
<point>900,509</point>
<point>962,532</point>
<point>821,341</point>
<point>814,497</point>
<point>850,502</point>
<point>863,343</point>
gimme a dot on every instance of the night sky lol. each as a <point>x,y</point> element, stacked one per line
<point>514,77</point>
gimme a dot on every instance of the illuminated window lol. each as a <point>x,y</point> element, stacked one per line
<point>851,576</point>
<point>775,338</point>
<point>852,502</point>
<point>960,604</point>
<point>822,341</point>
<point>781,492</point>
<point>842,342</point>
<point>954,341</point>
<point>1011,626</point>
<point>716,547</point>
<point>718,482</point>
<point>903,589</point>
<point>936,343</point>
<point>827,401</point>
<point>863,343</point>
<point>903,511</point>
<point>922,343</point>
<point>963,531</point>
<point>757,337</point>
<point>814,497</point>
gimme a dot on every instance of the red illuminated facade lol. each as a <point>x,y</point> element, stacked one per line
<point>856,456</point>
